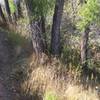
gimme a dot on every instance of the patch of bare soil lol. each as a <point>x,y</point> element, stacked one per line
<point>7,91</point>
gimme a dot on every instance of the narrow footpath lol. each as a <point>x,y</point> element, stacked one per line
<point>5,68</point>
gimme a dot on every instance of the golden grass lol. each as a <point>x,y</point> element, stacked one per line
<point>78,93</point>
<point>52,81</point>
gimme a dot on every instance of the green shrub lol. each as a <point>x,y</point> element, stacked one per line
<point>50,96</point>
<point>89,13</point>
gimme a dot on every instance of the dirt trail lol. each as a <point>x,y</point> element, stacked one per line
<point>5,68</point>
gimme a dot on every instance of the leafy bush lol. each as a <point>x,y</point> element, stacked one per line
<point>88,13</point>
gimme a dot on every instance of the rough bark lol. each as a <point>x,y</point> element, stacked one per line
<point>84,49</point>
<point>55,34</point>
<point>37,38</point>
<point>36,33</point>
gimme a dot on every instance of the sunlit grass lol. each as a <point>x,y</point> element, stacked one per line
<point>53,81</point>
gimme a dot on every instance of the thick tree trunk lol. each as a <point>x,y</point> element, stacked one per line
<point>55,34</point>
<point>84,50</point>
<point>37,38</point>
<point>8,10</point>
<point>2,15</point>
<point>36,32</point>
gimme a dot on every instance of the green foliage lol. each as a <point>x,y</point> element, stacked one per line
<point>50,96</point>
<point>12,6</point>
<point>40,7</point>
<point>89,13</point>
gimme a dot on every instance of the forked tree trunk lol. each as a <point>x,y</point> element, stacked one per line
<point>55,34</point>
<point>2,15</point>
<point>84,50</point>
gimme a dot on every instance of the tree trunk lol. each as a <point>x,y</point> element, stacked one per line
<point>36,33</point>
<point>2,15</point>
<point>43,24</point>
<point>8,10</point>
<point>84,50</point>
<point>43,30</point>
<point>37,38</point>
<point>55,34</point>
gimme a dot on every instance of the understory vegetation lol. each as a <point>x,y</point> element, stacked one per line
<point>56,48</point>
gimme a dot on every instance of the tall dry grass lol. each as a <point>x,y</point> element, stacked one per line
<point>51,80</point>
